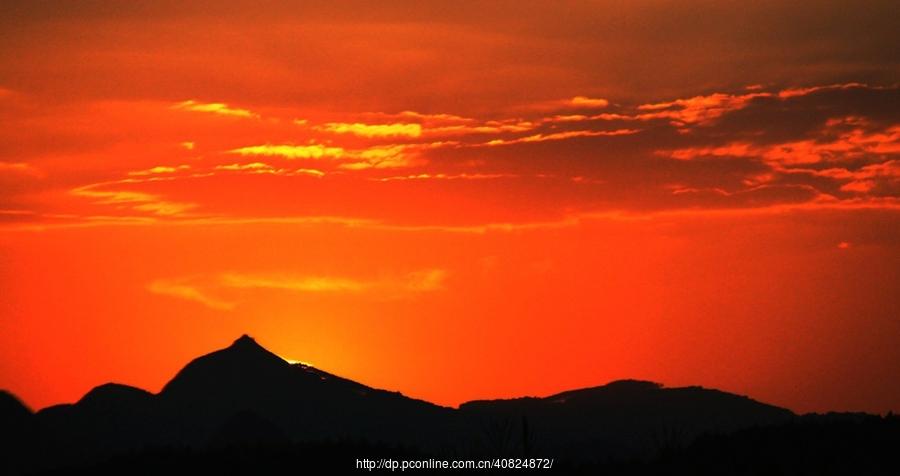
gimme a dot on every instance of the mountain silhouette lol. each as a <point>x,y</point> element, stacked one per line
<point>244,396</point>
<point>626,418</point>
<point>19,435</point>
<point>301,400</point>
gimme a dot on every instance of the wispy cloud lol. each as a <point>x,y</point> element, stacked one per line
<point>706,109</point>
<point>414,282</point>
<point>376,157</point>
<point>587,102</point>
<point>20,168</point>
<point>249,166</point>
<point>795,92</point>
<point>264,168</point>
<point>289,151</point>
<point>575,102</point>
<point>373,130</point>
<point>307,284</point>
<point>139,201</point>
<point>384,157</point>
<point>487,127</point>
<point>160,169</point>
<point>699,110</point>
<point>205,289</point>
<point>563,135</point>
<point>214,108</point>
<point>442,176</point>
<point>841,141</point>
<point>181,290</point>
<point>844,150</point>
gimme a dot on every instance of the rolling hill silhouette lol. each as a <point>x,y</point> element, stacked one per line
<point>244,396</point>
<point>626,418</point>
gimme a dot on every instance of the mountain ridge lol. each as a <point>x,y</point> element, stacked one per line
<point>245,394</point>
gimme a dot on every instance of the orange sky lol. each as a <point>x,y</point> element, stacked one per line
<point>455,201</point>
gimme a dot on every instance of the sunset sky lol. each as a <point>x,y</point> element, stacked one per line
<point>456,200</point>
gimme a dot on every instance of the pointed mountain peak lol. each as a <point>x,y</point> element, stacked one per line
<point>243,363</point>
<point>246,342</point>
<point>246,347</point>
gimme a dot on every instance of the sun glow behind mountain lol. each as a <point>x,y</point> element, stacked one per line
<point>295,362</point>
<point>457,203</point>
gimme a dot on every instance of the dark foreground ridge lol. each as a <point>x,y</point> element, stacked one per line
<point>244,410</point>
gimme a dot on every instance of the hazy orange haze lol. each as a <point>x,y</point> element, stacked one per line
<point>456,201</point>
